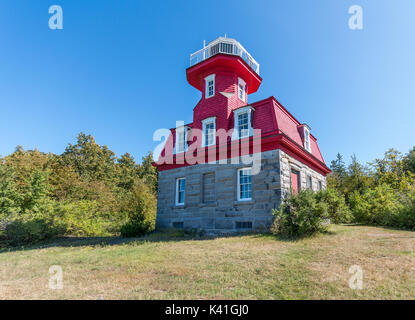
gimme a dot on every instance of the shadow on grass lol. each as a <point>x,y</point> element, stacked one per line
<point>167,235</point>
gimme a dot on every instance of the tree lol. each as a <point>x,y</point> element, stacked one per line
<point>357,177</point>
<point>90,159</point>
<point>148,172</point>
<point>409,161</point>
<point>128,171</point>
<point>338,174</point>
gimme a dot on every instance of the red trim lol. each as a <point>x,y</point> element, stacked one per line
<point>270,141</point>
<point>223,62</point>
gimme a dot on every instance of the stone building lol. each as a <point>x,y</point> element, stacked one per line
<point>232,165</point>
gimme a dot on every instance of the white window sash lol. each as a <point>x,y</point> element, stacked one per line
<point>206,134</point>
<point>181,141</point>
<point>208,79</point>
<point>241,89</point>
<point>179,191</point>
<point>237,113</point>
<point>240,198</point>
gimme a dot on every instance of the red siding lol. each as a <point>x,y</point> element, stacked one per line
<point>268,115</point>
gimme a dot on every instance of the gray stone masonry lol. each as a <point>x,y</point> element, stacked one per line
<point>211,194</point>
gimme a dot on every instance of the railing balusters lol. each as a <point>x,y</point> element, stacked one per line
<point>226,47</point>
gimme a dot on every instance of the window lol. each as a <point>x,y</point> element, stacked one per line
<point>241,89</point>
<point>244,184</point>
<point>181,144</point>
<point>209,190</point>
<point>243,225</point>
<point>178,225</point>
<point>243,125</point>
<point>210,86</point>
<point>320,186</point>
<point>295,181</point>
<point>243,120</point>
<point>180,191</point>
<point>209,131</point>
<point>307,145</point>
<point>309,183</point>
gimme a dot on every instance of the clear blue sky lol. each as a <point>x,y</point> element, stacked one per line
<point>117,70</point>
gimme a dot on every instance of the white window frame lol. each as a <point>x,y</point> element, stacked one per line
<point>182,129</point>
<point>177,192</point>
<point>237,112</point>
<point>204,124</point>
<point>309,179</point>
<point>307,139</point>
<point>207,80</point>
<point>241,91</point>
<point>239,184</point>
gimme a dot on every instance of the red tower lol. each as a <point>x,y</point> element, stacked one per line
<point>226,74</point>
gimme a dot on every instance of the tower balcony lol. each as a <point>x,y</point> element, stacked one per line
<point>224,46</point>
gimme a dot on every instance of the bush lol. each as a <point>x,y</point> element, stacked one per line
<point>142,211</point>
<point>338,210</point>
<point>84,218</point>
<point>378,206</point>
<point>133,229</point>
<point>300,215</point>
<point>20,232</point>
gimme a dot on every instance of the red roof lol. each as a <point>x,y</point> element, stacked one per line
<point>275,121</point>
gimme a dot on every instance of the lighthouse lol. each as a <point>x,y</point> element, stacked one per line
<point>227,195</point>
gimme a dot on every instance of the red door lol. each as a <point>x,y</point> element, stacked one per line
<point>295,181</point>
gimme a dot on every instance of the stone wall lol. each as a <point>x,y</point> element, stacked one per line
<point>287,163</point>
<point>211,194</point>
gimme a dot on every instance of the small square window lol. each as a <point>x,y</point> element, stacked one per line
<point>243,225</point>
<point>178,225</point>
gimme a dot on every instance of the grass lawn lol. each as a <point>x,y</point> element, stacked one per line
<point>239,267</point>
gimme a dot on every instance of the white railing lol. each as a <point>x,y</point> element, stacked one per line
<point>226,46</point>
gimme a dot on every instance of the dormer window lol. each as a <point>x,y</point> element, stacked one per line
<point>243,124</point>
<point>241,89</point>
<point>243,120</point>
<point>181,141</point>
<point>210,86</point>
<point>307,144</point>
<point>209,131</point>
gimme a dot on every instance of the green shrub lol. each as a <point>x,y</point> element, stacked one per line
<point>300,215</point>
<point>83,218</point>
<point>142,209</point>
<point>133,229</point>
<point>338,210</point>
<point>20,232</point>
<point>378,205</point>
<point>406,216</point>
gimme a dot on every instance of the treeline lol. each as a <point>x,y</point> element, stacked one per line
<point>86,191</point>
<point>382,192</point>
<point>379,193</point>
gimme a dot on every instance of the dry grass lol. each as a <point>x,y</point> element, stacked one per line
<point>245,267</point>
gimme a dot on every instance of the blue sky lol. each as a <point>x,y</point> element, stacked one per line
<point>117,70</point>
